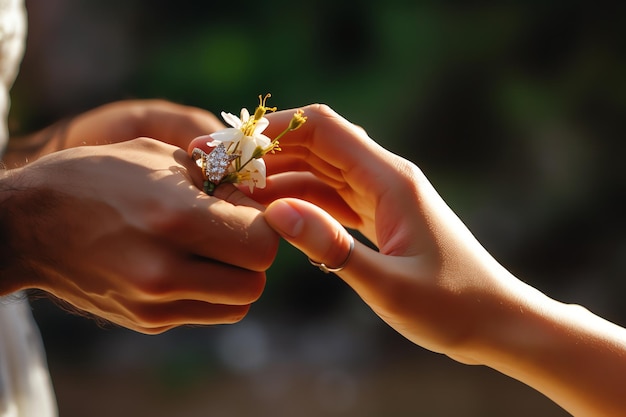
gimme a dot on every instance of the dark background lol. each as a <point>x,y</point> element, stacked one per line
<point>515,112</point>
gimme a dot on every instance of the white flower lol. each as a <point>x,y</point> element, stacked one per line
<point>241,148</point>
<point>244,129</point>
<point>253,175</point>
<point>245,138</point>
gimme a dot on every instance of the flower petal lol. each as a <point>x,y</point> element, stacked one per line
<point>256,170</point>
<point>244,115</point>
<point>261,124</point>
<point>232,120</point>
<point>227,135</point>
<point>262,141</point>
<point>248,146</point>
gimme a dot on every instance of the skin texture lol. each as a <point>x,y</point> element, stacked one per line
<point>430,279</point>
<point>122,230</point>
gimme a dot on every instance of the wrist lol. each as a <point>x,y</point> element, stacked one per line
<point>14,225</point>
<point>25,149</point>
<point>512,321</point>
<point>518,330</point>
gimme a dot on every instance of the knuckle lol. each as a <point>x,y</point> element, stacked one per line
<point>148,319</point>
<point>320,109</point>
<point>268,252</point>
<point>167,218</point>
<point>262,243</point>
<point>153,331</point>
<point>409,172</point>
<point>155,281</point>
<point>237,314</point>
<point>254,288</point>
<point>148,144</point>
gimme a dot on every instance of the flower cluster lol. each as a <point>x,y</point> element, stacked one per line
<point>237,152</point>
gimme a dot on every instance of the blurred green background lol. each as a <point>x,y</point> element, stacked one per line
<point>515,111</point>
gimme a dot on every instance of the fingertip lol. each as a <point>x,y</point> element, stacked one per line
<point>284,218</point>
<point>199,142</point>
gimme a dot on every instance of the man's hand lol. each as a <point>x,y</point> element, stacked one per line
<point>123,232</point>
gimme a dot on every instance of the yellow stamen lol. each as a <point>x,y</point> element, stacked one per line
<point>248,127</point>
<point>262,109</point>
<point>297,120</point>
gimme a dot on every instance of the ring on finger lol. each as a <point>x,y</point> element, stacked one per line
<point>326,269</point>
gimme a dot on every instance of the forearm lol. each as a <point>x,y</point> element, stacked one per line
<point>564,351</point>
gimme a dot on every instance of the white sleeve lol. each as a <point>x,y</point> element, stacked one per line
<point>25,386</point>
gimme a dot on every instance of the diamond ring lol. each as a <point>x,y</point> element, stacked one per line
<point>214,165</point>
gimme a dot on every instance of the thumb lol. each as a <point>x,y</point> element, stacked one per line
<point>312,230</point>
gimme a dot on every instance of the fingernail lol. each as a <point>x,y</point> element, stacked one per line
<point>284,218</point>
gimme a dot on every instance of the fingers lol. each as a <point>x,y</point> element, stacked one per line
<point>152,298</point>
<point>218,230</point>
<point>337,152</point>
<point>323,123</point>
<point>200,142</point>
<point>156,318</point>
<point>305,186</point>
<point>195,278</point>
<point>298,158</point>
<point>327,135</point>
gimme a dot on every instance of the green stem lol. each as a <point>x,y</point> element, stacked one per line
<point>242,166</point>
<point>280,135</point>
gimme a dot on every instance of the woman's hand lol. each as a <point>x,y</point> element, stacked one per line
<point>123,232</point>
<point>430,279</point>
